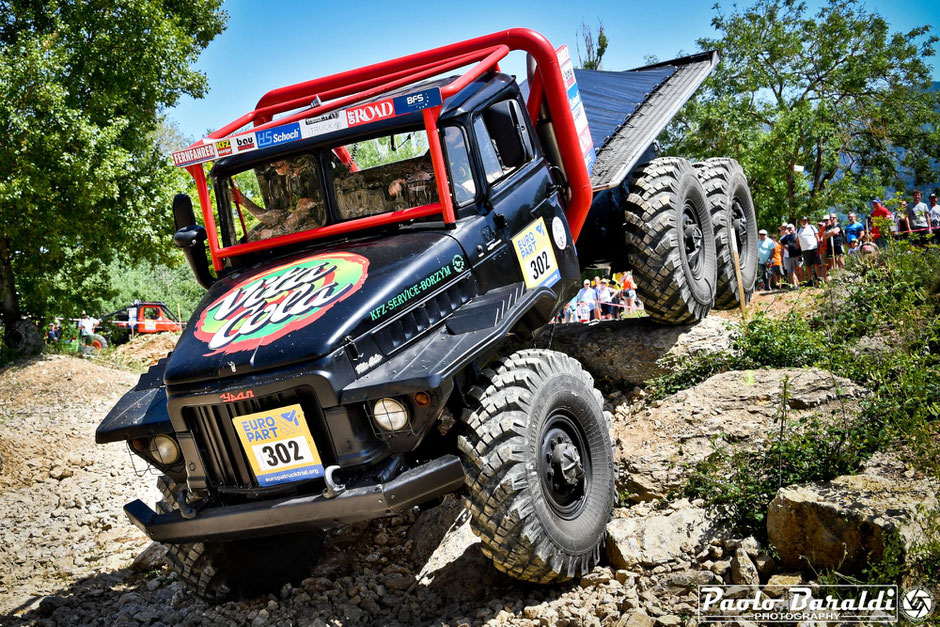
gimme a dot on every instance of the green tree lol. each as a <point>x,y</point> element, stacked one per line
<point>838,94</point>
<point>85,182</point>
<point>594,46</point>
<point>173,285</point>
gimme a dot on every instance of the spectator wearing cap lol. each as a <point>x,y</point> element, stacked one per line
<point>808,237</point>
<point>792,260</point>
<point>765,250</point>
<point>588,297</point>
<point>854,230</point>
<point>835,237</point>
<point>879,212</point>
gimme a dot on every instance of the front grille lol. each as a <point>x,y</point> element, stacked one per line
<point>225,461</point>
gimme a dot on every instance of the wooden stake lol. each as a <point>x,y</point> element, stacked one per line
<point>737,272</point>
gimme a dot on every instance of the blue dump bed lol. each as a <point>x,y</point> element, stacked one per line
<point>628,110</point>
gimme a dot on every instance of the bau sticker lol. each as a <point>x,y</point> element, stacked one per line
<point>268,306</point>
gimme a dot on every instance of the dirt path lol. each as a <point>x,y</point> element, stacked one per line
<point>60,493</point>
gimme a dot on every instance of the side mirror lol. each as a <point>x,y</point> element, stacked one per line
<point>191,239</point>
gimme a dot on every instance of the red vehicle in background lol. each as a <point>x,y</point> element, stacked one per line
<point>139,317</point>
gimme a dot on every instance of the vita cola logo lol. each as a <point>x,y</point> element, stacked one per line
<point>370,113</point>
<point>268,306</point>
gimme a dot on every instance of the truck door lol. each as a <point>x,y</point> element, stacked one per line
<point>526,211</point>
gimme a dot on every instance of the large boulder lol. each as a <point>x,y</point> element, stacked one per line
<point>845,523</point>
<point>628,352</point>
<point>656,444</point>
<point>658,538</point>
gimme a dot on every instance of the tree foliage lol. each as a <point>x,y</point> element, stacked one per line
<point>173,285</point>
<point>86,181</point>
<point>837,93</point>
<point>594,46</point>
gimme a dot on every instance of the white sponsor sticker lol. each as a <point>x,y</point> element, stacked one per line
<point>559,234</point>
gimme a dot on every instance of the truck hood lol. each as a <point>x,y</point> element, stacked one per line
<point>306,305</point>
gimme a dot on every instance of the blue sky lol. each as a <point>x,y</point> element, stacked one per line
<point>274,43</point>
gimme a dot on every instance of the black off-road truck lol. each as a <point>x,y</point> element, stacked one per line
<point>372,249</point>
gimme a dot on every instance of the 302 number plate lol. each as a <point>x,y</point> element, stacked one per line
<point>536,256</point>
<point>279,445</point>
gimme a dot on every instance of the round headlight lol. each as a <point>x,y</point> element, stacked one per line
<point>390,414</point>
<point>164,449</point>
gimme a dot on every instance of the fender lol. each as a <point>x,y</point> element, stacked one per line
<point>141,412</point>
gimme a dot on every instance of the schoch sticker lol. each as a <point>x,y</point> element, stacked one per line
<point>268,306</point>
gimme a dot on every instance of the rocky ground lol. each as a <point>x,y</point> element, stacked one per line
<point>67,554</point>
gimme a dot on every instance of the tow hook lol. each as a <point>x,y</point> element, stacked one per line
<point>187,510</point>
<point>333,489</point>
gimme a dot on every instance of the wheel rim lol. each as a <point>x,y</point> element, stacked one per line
<point>739,225</point>
<point>564,465</point>
<point>96,344</point>
<point>692,239</point>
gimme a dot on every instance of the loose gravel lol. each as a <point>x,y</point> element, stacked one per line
<point>67,553</point>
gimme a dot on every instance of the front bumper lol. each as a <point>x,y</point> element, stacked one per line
<point>413,487</point>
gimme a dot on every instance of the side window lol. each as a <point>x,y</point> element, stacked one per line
<point>458,159</point>
<point>503,138</point>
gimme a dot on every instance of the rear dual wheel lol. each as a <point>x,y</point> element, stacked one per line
<point>670,241</point>
<point>735,223</point>
<point>681,222</point>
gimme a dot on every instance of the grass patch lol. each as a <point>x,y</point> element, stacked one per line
<point>878,324</point>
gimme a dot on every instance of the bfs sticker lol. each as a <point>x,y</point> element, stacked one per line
<point>536,256</point>
<point>269,305</point>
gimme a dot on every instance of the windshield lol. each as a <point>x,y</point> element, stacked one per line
<point>369,177</point>
<point>278,198</point>
<point>383,174</point>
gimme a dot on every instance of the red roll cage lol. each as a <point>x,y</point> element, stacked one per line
<point>346,89</point>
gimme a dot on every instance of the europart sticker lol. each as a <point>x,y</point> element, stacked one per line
<point>267,306</point>
<point>279,445</point>
<point>536,257</point>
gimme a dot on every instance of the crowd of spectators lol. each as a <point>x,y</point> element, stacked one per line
<point>602,299</point>
<point>802,254</point>
<point>806,253</point>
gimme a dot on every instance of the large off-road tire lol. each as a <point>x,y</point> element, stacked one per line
<point>220,571</point>
<point>540,476</point>
<point>732,211</point>
<point>97,342</point>
<point>670,241</point>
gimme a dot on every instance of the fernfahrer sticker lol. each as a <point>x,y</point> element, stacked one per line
<point>268,306</point>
